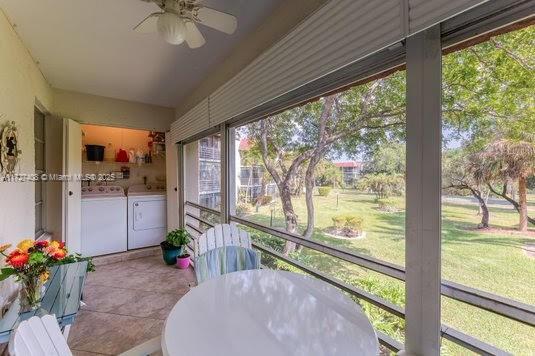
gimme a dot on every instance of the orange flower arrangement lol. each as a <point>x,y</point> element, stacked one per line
<point>31,254</point>
<point>29,263</point>
<point>18,259</point>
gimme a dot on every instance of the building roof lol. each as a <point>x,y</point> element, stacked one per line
<point>344,164</point>
<point>245,144</point>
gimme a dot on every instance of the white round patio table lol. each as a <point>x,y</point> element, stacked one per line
<point>267,312</point>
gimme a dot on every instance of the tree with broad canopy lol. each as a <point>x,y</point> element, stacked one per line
<point>487,88</point>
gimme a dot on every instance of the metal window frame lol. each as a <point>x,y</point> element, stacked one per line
<point>446,331</point>
<point>182,202</point>
<point>508,308</point>
<point>465,27</point>
<point>225,174</point>
<point>39,233</point>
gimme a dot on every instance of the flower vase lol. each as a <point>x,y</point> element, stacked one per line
<point>30,294</point>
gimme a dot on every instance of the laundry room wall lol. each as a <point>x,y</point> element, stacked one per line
<point>99,110</point>
<point>22,87</point>
<point>113,139</point>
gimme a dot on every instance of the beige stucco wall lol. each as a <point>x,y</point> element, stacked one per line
<point>21,86</point>
<point>99,110</point>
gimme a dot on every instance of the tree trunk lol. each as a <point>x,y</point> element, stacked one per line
<point>248,187</point>
<point>309,186</point>
<point>484,224</point>
<point>513,202</point>
<point>523,204</point>
<point>486,200</point>
<point>290,217</point>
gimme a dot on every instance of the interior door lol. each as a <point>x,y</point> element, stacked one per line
<point>72,160</point>
<point>54,165</point>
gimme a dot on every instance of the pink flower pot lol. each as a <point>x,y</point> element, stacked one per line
<point>182,262</point>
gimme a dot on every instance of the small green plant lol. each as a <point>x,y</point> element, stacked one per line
<point>339,221</point>
<point>178,237</point>
<point>324,191</point>
<point>79,258</point>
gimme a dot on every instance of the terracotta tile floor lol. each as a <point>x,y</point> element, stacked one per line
<point>127,303</point>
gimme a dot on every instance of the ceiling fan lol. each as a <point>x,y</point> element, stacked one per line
<point>176,22</point>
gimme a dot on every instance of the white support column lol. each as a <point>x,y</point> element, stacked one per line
<point>233,171</point>
<point>423,219</point>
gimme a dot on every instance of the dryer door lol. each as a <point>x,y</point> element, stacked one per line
<point>149,214</point>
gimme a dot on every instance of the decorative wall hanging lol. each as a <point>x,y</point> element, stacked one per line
<point>9,148</point>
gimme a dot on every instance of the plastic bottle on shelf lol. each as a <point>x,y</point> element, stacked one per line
<point>109,153</point>
<point>131,156</point>
<point>140,157</point>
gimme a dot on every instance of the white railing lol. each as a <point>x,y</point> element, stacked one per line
<point>250,182</point>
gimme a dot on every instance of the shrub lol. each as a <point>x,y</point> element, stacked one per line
<point>350,222</point>
<point>339,221</point>
<point>264,200</point>
<point>324,191</point>
<point>391,291</point>
<point>354,223</point>
<point>243,208</point>
<point>389,205</point>
<point>382,185</point>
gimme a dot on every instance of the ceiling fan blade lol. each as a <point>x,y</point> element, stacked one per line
<point>194,37</point>
<point>216,19</point>
<point>148,24</point>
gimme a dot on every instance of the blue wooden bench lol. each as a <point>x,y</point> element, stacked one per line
<point>62,295</point>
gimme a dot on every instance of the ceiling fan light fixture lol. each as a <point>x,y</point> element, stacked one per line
<point>171,28</point>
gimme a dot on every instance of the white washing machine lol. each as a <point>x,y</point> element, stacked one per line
<point>147,215</point>
<point>104,228</point>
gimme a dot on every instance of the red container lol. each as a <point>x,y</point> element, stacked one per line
<point>122,156</point>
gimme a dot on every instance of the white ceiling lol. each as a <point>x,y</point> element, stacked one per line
<point>88,46</point>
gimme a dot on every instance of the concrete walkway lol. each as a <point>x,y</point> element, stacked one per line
<point>491,203</point>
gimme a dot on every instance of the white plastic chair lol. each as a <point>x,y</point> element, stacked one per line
<point>221,235</point>
<point>43,337</point>
<point>39,337</point>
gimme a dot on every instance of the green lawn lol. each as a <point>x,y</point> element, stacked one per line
<point>493,262</point>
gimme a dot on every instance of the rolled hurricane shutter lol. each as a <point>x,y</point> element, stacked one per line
<point>426,13</point>
<point>339,33</point>
<point>194,121</point>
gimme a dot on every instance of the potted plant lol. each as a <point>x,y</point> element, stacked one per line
<point>183,260</point>
<point>174,245</point>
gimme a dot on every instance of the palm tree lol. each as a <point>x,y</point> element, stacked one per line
<point>507,159</point>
